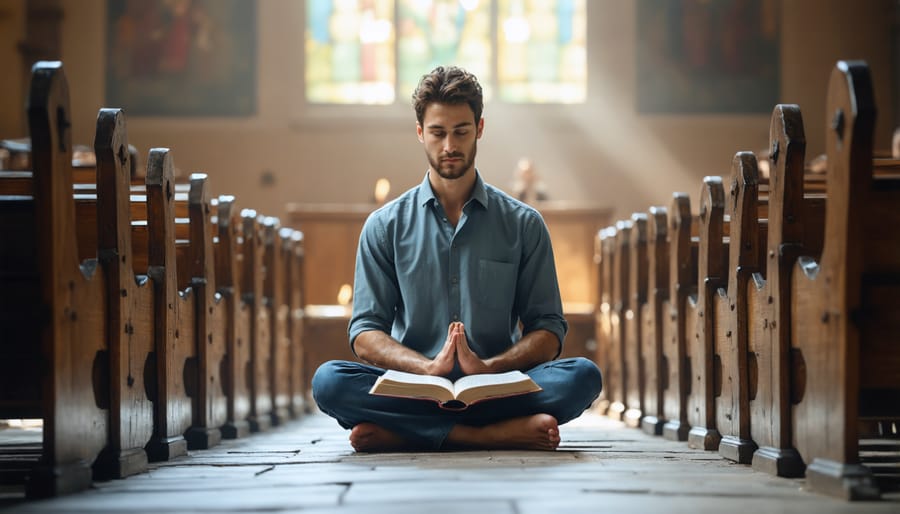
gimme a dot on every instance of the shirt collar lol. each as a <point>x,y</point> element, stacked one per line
<point>479,192</point>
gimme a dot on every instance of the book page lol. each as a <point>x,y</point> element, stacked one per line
<point>489,379</point>
<point>412,378</point>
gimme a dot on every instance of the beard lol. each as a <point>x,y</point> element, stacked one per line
<point>453,170</point>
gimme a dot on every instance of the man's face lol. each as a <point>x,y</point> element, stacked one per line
<point>449,133</point>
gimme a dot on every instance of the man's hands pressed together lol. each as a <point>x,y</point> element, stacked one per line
<point>379,349</point>
<point>469,362</point>
<point>443,362</point>
<point>456,349</point>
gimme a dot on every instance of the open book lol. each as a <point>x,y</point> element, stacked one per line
<point>454,395</point>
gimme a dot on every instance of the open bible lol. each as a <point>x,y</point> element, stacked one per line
<point>454,395</point>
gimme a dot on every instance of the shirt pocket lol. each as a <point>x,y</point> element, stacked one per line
<point>496,284</point>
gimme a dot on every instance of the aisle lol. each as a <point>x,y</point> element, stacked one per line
<point>308,466</point>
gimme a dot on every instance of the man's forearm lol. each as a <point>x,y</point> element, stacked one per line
<point>380,349</point>
<point>534,348</point>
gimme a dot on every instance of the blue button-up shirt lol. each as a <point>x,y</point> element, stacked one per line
<point>416,273</point>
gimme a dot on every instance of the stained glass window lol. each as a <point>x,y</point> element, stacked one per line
<point>350,51</point>
<point>436,32</point>
<point>541,50</point>
<point>375,51</point>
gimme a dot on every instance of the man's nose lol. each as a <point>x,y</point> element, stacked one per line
<point>450,144</point>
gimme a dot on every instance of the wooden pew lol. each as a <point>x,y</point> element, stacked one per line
<point>604,255</point>
<point>631,349</point>
<point>616,382</point>
<point>699,317</point>
<point>193,230</point>
<point>794,228</point>
<point>130,312</point>
<point>651,316</point>
<point>252,256</point>
<point>292,248</point>
<point>683,255</point>
<point>275,300</point>
<point>53,308</point>
<point>175,338</point>
<point>845,314</point>
<point>208,394</point>
<point>730,313</point>
<point>193,369</point>
<point>102,228</point>
<point>229,270</point>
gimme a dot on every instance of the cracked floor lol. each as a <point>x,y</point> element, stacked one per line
<point>308,465</point>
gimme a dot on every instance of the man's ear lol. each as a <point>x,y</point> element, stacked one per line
<point>420,132</point>
<point>480,130</point>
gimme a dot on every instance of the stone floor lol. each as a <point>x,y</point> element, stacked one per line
<point>308,465</point>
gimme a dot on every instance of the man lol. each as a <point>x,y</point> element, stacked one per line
<point>445,274</point>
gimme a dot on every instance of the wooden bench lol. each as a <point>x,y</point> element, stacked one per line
<point>616,382</point>
<point>102,234</point>
<point>275,300</point>
<point>845,357</point>
<point>293,254</point>
<point>683,255</point>
<point>112,303</point>
<point>651,319</point>
<point>209,400</point>
<point>604,255</point>
<point>699,314</point>
<point>271,370</point>
<point>238,338</point>
<point>53,307</point>
<point>730,310</point>
<point>130,313</point>
<point>176,253</point>
<point>175,311</point>
<point>632,356</point>
<point>252,257</point>
<point>795,224</point>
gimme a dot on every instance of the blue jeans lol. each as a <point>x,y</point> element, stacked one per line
<point>341,390</point>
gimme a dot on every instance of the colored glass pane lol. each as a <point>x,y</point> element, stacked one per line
<point>542,51</point>
<point>522,51</point>
<point>444,32</point>
<point>350,51</point>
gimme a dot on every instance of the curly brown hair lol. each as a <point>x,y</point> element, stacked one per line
<point>448,85</point>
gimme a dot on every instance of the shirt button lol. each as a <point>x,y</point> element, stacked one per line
<point>456,317</point>
<point>454,280</point>
<point>445,220</point>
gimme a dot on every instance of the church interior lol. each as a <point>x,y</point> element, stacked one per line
<point>183,184</point>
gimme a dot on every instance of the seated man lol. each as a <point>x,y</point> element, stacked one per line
<point>446,275</point>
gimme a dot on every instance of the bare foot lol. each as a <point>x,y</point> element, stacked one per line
<point>369,437</point>
<point>537,432</point>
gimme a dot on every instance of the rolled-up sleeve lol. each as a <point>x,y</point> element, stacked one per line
<point>375,289</point>
<point>537,293</point>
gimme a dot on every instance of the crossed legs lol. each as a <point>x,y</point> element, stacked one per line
<point>531,421</point>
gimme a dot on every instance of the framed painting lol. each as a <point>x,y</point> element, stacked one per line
<point>181,57</point>
<point>707,56</point>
